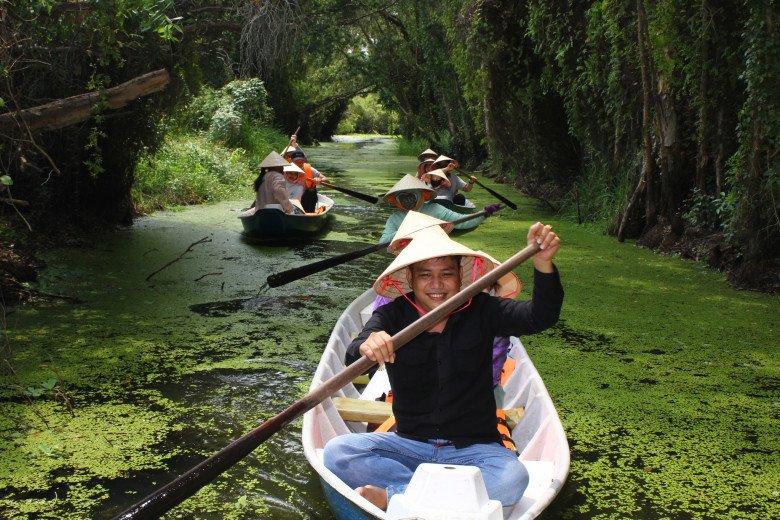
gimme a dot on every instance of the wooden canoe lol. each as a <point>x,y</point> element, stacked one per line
<point>274,223</point>
<point>539,435</point>
<point>465,209</point>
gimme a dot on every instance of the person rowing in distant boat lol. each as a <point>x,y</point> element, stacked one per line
<point>442,384</point>
<point>410,193</point>
<point>449,189</point>
<point>270,188</point>
<point>311,179</point>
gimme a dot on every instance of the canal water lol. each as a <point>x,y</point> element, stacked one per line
<point>147,375</point>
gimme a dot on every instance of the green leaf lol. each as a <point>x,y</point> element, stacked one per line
<point>49,383</point>
<point>33,391</point>
<point>7,180</point>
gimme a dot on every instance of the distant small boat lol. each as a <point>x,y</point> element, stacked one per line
<point>465,209</point>
<point>274,223</point>
<point>539,435</point>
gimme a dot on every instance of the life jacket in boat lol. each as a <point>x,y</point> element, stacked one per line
<point>308,170</point>
<point>503,430</point>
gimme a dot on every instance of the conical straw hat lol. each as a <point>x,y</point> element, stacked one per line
<point>288,149</point>
<point>427,153</point>
<point>509,285</point>
<point>443,159</point>
<point>407,183</point>
<point>413,223</point>
<point>292,167</point>
<point>427,244</point>
<point>273,160</point>
<point>438,172</point>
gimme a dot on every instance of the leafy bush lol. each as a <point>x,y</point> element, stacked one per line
<point>707,211</point>
<point>226,126</point>
<point>189,169</point>
<point>211,151</point>
<point>248,97</point>
<point>242,100</point>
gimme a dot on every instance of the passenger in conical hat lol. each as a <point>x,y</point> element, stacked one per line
<point>424,167</point>
<point>427,154</point>
<point>270,188</point>
<point>410,193</point>
<point>449,190</point>
<point>311,179</point>
<point>412,224</point>
<point>441,380</point>
<point>294,180</point>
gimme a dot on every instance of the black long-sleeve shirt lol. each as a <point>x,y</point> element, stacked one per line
<point>442,382</point>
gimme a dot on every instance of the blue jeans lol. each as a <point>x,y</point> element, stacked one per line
<point>388,461</point>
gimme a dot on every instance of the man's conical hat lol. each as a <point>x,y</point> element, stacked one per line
<point>438,172</point>
<point>273,160</point>
<point>442,160</point>
<point>288,149</point>
<point>508,286</point>
<point>427,153</point>
<point>408,183</point>
<point>434,243</point>
<point>413,223</point>
<point>292,167</point>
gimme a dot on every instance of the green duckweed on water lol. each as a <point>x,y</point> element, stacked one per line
<point>667,380</point>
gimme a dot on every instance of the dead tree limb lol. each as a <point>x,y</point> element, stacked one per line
<point>68,111</point>
<point>201,241</point>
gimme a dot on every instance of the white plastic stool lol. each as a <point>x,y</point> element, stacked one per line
<point>445,492</point>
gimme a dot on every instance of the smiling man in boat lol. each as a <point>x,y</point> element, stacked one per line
<point>442,380</point>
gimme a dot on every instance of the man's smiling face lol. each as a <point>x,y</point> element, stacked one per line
<point>434,281</point>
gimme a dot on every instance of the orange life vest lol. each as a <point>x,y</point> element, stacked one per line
<point>309,172</point>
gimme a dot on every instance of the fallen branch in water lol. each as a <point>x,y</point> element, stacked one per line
<point>201,241</point>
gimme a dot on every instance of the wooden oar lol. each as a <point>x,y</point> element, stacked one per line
<point>175,492</point>
<point>494,193</point>
<point>356,194</point>
<point>285,277</point>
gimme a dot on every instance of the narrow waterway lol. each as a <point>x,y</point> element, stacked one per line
<point>665,378</point>
<point>161,372</point>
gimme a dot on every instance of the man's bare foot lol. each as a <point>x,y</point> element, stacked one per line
<point>375,495</point>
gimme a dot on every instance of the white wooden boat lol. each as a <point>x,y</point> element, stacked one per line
<point>539,435</point>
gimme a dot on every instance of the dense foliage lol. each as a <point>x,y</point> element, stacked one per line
<point>211,149</point>
<point>366,115</point>
<point>657,118</point>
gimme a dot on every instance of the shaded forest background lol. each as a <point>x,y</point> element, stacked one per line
<point>655,119</point>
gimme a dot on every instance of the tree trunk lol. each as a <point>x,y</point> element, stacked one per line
<point>702,152</point>
<point>65,112</point>
<point>643,184</point>
<point>650,188</point>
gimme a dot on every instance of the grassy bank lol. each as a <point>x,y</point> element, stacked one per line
<point>210,151</point>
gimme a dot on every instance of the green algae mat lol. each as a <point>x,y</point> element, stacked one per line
<point>667,381</point>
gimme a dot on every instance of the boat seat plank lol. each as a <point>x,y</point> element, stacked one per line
<point>363,410</point>
<point>380,412</point>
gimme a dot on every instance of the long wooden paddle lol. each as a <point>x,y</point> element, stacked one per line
<point>495,193</point>
<point>296,273</point>
<point>175,492</point>
<point>356,194</point>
